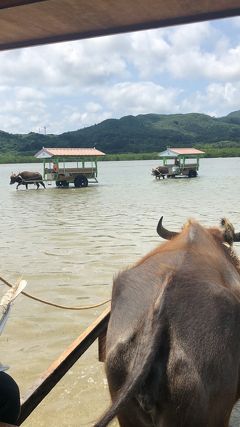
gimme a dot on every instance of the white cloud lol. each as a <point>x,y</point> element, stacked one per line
<point>190,36</point>
<point>138,98</point>
<point>199,64</point>
<point>74,64</point>
<point>28,93</point>
<point>67,86</point>
<point>217,99</point>
<point>93,114</point>
<point>236,22</point>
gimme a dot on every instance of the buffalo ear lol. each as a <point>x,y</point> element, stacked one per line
<point>228,231</point>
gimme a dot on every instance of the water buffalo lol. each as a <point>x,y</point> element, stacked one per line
<point>173,340</point>
<point>160,172</point>
<point>26,178</point>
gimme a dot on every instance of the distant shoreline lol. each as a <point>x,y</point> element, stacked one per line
<point>210,152</point>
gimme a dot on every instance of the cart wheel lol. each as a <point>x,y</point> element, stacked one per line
<point>192,174</point>
<point>80,181</point>
<point>58,183</point>
<point>65,184</point>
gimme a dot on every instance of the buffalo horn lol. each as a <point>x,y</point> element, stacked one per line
<point>163,232</point>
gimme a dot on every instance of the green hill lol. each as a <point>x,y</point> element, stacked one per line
<point>134,134</point>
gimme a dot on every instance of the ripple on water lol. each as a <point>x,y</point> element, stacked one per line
<point>70,244</point>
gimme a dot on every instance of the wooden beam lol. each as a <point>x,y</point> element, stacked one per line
<point>7,425</point>
<point>6,4</point>
<point>60,366</point>
<point>35,22</point>
<point>148,25</point>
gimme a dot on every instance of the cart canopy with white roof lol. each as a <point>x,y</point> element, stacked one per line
<point>178,162</point>
<point>70,165</point>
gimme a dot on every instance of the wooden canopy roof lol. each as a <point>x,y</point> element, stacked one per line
<point>34,22</point>
<point>175,152</point>
<point>186,151</point>
<point>46,153</point>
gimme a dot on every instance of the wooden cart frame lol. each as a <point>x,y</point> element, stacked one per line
<point>66,166</point>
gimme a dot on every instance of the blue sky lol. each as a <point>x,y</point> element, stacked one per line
<point>68,86</point>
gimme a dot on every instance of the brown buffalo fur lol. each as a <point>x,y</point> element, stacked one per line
<point>173,341</point>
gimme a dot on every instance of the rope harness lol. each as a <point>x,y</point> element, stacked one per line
<point>65,307</point>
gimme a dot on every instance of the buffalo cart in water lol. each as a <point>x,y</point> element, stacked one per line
<point>178,162</point>
<point>66,166</point>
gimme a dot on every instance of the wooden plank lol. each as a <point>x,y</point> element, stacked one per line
<point>77,170</point>
<point>33,22</point>
<point>60,366</point>
<point>30,182</point>
<point>7,425</point>
<point>13,3</point>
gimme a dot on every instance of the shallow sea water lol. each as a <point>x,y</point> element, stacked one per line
<point>69,243</point>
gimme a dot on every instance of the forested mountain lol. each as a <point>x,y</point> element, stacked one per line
<point>134,134</point>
